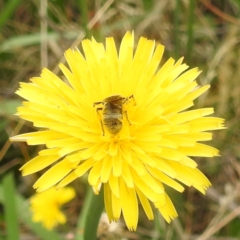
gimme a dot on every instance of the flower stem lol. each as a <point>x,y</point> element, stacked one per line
<point>90,215</point>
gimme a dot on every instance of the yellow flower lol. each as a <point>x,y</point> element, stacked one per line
<point>45,206</point>
<point>122,119</point>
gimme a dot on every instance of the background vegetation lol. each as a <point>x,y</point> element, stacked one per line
<point>34,34</point>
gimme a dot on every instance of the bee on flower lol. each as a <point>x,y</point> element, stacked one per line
<point>113,113</point>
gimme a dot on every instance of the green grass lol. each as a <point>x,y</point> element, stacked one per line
<point>10,207</point>
<point>17,211</point>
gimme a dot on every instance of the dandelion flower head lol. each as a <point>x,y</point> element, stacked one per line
<point>45,206</point>
<point>123,118</point>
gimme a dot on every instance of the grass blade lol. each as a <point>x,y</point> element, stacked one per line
<point>11,218</point>
<point>24,214</point>
<point>8,10</point>
<point>90,215</point>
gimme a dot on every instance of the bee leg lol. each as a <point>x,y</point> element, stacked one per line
<point>127,98</point>
<point>126,114</point>
<point>134,101</point>
<point>99,116</point>
<point>97,103</point>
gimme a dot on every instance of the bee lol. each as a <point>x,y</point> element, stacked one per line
<point>112,113</point>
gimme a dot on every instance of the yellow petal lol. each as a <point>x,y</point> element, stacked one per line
<point>145,203</point>
<point>54,175</point>
<point>129,205</point>
<point>106,169</point>
<point>38,163</point>
<point>168,211</point>
<point>108,202</point>
<point>116,207</point>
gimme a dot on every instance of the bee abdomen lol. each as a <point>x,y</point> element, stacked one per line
<point>113,125</point>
